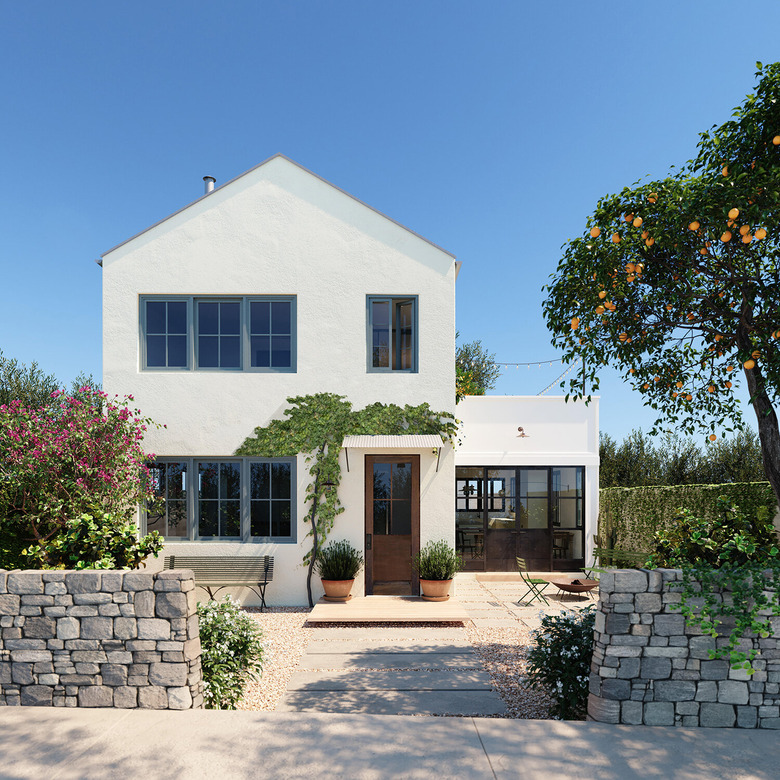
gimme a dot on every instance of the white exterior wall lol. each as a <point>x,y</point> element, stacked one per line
<point>281,230</point>
<point>558,433</point>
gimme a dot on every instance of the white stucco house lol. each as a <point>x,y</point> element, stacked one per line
<point>279,284</point>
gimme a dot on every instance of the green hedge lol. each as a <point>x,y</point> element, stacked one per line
<point>629,517</point>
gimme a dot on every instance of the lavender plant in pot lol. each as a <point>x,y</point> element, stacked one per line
<point>337,564</point>
<point>436,565</point>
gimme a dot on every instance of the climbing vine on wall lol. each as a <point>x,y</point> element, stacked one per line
<point>315,426</point>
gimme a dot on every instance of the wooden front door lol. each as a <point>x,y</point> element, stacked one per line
<point>392,524</point>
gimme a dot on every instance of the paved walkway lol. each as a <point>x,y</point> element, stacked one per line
<point>415,670</point>
<point>66,744</point>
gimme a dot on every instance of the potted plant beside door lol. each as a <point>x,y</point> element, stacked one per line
<point>437,564</point>
<point>337,564</point>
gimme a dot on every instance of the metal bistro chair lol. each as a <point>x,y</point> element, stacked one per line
<point>535,585</point>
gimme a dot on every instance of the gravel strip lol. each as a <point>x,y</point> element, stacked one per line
<point>285,640</point>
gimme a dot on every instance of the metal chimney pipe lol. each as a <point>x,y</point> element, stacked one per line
<point>209,183</point>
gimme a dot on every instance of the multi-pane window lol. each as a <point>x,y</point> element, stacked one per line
<point>270,499</point>
<point>392,498</point>
<point>270,334</point>
<point>219,334</point>
<point>169,513</point>
<point>166,334</point>
<point>208,333</point>
<point>237,498</point>
<point>392,333</point>
<point>219,499</point>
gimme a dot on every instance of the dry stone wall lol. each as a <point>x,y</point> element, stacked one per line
<point>99,639</point>
<point>650,668</point>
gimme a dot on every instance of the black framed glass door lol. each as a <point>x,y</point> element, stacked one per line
<point>536,513</point>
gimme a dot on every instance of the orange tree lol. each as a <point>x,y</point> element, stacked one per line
<point>676,283</point>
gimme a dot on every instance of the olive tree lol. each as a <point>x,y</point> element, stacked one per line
<point>676,282</point>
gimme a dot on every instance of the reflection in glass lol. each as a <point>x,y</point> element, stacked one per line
<point>402,480</point>
<point>281,480</point>
<point>381,517</point>
<point>155,351</point>
<point>155,317</point>
<point>380,340</point>
<point>259,481</point>
<point>281,522</point>
<point>382,472</point>
<point>401,517</point>
<point>261,518</point>
<point>208,318</point>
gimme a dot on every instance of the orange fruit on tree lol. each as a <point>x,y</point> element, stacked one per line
<point>726,236</point>
<point>595,232</point>
<point>711,389</point>
<point>749,364</point>
<point>645,386</point>
<point>703,251</point>
<point>575,323</point>
<point>727,383</point>
<point>689,397</point>
<point>674,395</point>
<point>679,385</point>
<point>694,225</point>
<point>747,239</point>
<point>756,354</point>
<point>725,170</point>
<point>616,238</point>
<point>637,222</point>
<point>623,336</point>
<point>649,242</point>
<point>760,233</point>
<point>602,294</point>
<point>713,437</point>
<point>744,230</point>
<point>733,213</point>
<point>628,217</point>
<point>652,197</point>
<point>632,371</point>
<point>645,233</point>
<point>600,310</point>
<point>776,140</point>
<point>729,368</point>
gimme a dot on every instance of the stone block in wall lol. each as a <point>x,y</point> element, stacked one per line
<point>24,582</point>
<point>96,696</point>
<point>144,603</point>
<point>747,717</point>
<point>717,715</point>
<point>133,581</point>
<point>648,602</point>
<point>654,668</point>
<point>153,628</point>
<point>168,675</point>
<point>659,713</point>
<point>3,575</point>
<point>617,624</point>
<point>126,698</point>
<point>97,628</point>
<point>37,695</point>
<point>171,605</point>
<point>125,628</point>
<point>630,581</point>
<point>669,625</point>
<point>153,698</point>
<point>40,628</point>
<point>675,690</point>
<point>179,698</point>
<point>91,598</point>
<point>82,582</point>
<point>733,692</point>
<point>603,710</point>
<point>9,604</point>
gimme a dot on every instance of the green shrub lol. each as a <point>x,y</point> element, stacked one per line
<point>231,652</point>
<point>338,561</point>
<point>629,517</point>
<point>559,661</point>
<point>730,537</point>
<point>437,561</point>
<point>99,540</point>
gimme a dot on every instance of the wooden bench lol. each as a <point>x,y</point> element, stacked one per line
<point>224,571</point>
<point>613,557</point>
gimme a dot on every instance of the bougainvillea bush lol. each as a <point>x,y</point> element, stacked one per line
<point>77,461</point>
<point>231,652</point>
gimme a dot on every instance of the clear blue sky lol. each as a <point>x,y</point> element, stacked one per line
<point>490,128</point>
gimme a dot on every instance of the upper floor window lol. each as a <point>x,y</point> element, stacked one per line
<point>209,333</point>
<point>392,333</point>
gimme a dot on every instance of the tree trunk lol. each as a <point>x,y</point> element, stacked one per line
<point>313,520</point>
<point>768,432</point>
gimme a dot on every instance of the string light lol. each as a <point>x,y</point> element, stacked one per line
<point>562,376</point>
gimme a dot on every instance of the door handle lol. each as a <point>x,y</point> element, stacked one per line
<point>368,541</point>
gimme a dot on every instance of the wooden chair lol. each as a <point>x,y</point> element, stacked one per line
<point>535,586</point>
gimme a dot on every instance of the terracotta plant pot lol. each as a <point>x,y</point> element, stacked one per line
<point>435,590</point>
<point>337,590</point>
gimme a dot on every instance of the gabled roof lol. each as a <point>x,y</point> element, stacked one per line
<point>260,165</point>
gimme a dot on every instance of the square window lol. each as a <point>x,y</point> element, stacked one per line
<point>165,329</point>
<point>392,333</point>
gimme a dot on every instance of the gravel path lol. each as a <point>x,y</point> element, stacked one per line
<point>501,648</point>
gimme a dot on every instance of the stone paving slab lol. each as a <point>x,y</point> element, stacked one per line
<point>387,680</point>
<point>406,660</point>
<point>399,646</point>
<point>396,702</point>
<point>385,633</point>
<point>495,623</point>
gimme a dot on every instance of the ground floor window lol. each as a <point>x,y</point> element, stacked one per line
<point>536,513</point>
<point>241,499</point>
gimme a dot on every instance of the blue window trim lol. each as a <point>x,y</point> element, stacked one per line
<point>192,332</point>
<point>192,500</point>
<point>371,369</point>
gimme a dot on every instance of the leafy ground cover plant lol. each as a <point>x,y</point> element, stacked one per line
<point>339,561</point>
<point>559,660</point>
<point>94,540</point>
<point>731,574</point>
<point>437,561</point>
<point>231,652</point>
